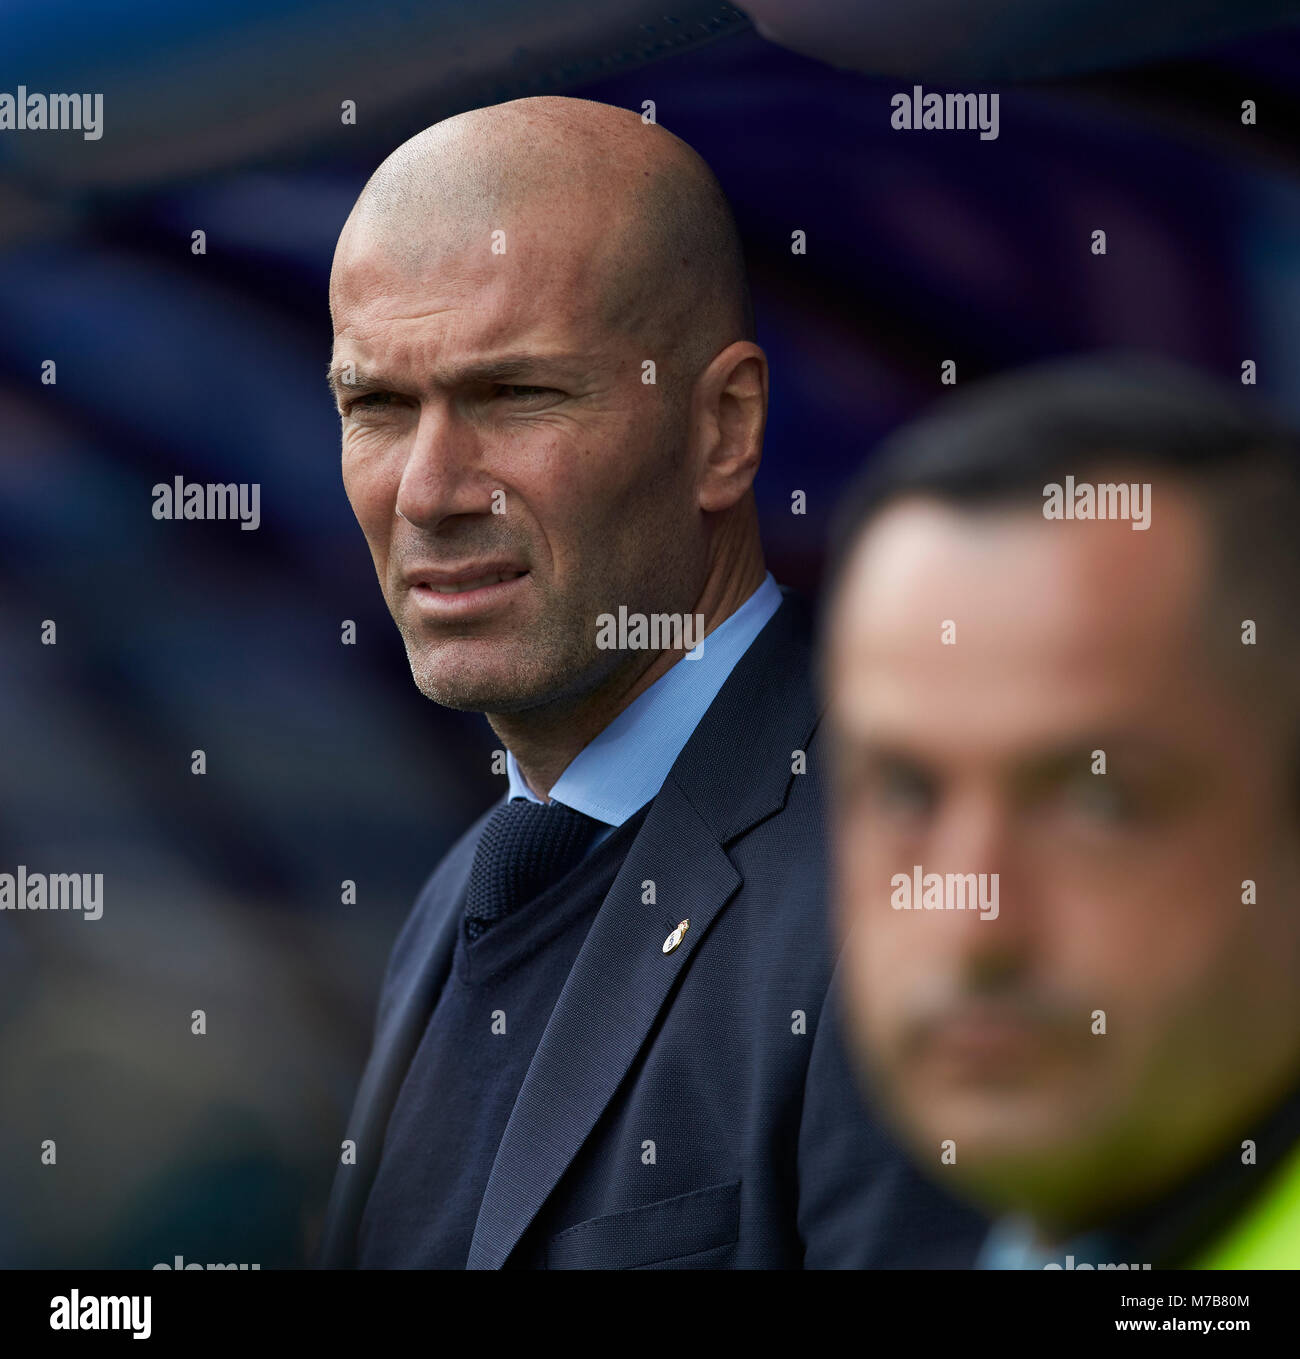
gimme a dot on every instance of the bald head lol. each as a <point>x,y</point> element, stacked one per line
<point>633,205</point>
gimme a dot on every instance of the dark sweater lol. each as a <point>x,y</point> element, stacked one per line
<point>462,1085</point>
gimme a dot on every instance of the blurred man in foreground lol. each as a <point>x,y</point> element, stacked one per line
<point>1062,670</point>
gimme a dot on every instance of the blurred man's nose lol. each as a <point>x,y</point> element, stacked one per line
<point>972,830</point>
<point>975,836</point>
<point>443,476</point>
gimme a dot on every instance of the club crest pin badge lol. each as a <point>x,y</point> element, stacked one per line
<point>677,935</point>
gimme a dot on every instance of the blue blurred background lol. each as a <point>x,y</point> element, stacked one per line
<point>222,892</point>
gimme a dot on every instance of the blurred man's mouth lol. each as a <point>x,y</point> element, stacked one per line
<point>456,593</point>
<point>984,1042</point>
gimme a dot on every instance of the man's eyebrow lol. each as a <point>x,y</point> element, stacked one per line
<point>1135,745</point>
<point>508,366</point>
<point>1052,757</point>
<point>358,382</point>
<point>490,370</point>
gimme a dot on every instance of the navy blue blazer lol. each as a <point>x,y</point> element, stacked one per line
<point>693,1109</point>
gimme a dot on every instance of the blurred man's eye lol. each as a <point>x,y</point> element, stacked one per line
<point>903,791</point>
<point>519,392</point>
<point>1101,798</point>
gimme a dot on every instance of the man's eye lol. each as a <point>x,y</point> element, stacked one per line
<point>1101,798</point>
<point>906,791</point>
<point>370,401</point>
<point>519,392</point>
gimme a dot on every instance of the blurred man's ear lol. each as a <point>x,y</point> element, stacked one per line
<point>728,416</point>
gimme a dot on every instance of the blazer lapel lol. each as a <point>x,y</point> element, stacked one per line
<point>723,783</point>
<point>609,1003</point>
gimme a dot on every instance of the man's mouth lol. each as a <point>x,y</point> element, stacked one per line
<point>988,1040</point>
<point>474,583</point>
<point>456,594</point>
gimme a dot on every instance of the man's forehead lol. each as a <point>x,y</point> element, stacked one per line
<point>1014,570</point>
<point>452,355</point>
<point>1003,620</point>
<point>469,299</point>
<point>545,244</point>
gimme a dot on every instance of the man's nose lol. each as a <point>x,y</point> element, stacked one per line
<point>444,474</point>
<point>976,837</point>
<point>972,833</point>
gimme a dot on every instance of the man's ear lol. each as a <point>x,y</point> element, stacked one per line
<point>729,415</point>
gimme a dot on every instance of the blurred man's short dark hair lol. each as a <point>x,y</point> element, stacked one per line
<point>1003,440</point>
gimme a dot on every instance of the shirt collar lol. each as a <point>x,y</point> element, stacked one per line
<point>621,769</point>
<point>1012,1244</point>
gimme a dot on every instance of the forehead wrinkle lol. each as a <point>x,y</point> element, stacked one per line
<point>495,304</point>
<point>483,370</point>
<point>460,342</point>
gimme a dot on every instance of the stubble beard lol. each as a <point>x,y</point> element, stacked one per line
<point>513,673</point>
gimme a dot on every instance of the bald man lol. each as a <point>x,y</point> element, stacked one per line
<point>601,1040</point>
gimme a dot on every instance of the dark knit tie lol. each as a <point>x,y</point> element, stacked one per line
<point>524,848</point>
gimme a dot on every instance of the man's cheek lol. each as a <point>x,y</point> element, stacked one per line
<point>1158,934</point>
<point>880,1004</point>
<point>372,503</point>
<point>877,945</point>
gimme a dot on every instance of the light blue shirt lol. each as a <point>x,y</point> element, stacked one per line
<point>621,769</point>
<point>1012,1244</point>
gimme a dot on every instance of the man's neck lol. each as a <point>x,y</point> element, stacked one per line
<point>545,741</point>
